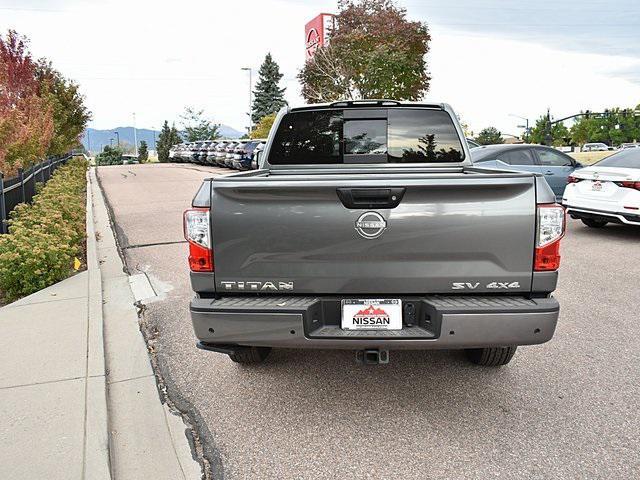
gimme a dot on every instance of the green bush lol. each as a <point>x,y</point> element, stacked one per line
<point>110,156</point>
<point>47,235</point>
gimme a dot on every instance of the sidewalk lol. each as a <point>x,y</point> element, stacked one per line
<point>53,410</point>
<point>78,397</point>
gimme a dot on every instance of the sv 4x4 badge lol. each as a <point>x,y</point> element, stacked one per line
<point>490,286</point>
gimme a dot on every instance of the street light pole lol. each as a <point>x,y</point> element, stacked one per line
<point>250,92</point>
<point>118,137</point>
<point>526,126</point>
<point>135,135</point>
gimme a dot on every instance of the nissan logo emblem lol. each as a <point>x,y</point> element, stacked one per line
<point>370,225</point>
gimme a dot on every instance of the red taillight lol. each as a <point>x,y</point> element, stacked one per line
<point>200,258</point>
<point>548,257</point>
<point>629,184</point>
<point>197,233</point>
<point>572,179</point>
<point>551,226</point>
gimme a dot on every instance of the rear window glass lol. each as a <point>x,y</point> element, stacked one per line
<point>625,159</point>
<point>401,135</point>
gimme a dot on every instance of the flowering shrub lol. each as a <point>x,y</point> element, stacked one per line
<point>47,235</point>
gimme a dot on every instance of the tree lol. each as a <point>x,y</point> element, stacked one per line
<point>70,115</point>
<point>489,136</point>
<point>143,152</point>
<point>374,52</point>
<point>196,127</point>
<point>559,133</point>
<point>110,156</point>
<point>264,126</point>
<point>268,97</point>
<point>466,131</point>
<point>615,127</point>
<point>26,119</point>
<point>167,138</point>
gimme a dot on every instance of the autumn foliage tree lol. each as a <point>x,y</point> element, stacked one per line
<point>70,115</point>
<point>374,51</point>
<point>26,122</point>
<point>40,112</point>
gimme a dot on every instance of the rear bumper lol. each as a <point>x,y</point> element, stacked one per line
<point>615,217</point>
<point>440,322</point>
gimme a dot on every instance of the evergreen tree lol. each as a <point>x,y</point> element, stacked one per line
<point>143,152</point>
<point>164,143</point>
<point>268,97</point>
<point>174,135</point>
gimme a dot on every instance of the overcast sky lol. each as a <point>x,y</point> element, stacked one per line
<point>488,58</point>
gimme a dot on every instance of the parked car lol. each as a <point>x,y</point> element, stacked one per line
<point>210,155</point>
<point>607,191</point>
<point>220,152</point>
<point>556,166</point>
<point>172,152</point>
<point>194,151</point>
<point>254,158</point>
<point>244,155</point>
<point>595,147</point>
<point>176,153</point>
<point>626,146</point>
<point>327,248</point>
<point>201,155</point>
<point>228,155</point>
<point>236,153</point>
<point>129,159</point>
<point>185,152</point>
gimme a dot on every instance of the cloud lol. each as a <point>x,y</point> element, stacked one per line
<point>488,58</point>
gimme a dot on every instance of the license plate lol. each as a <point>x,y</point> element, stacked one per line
<point>596,186</point>
<point>372,314</point>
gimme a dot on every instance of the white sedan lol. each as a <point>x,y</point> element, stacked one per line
<point>607,191</point>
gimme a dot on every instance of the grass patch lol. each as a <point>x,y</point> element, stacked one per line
<point>589,158</point>
<point>47,235</point>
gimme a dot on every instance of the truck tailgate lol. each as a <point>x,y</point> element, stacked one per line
<point>455,233</point>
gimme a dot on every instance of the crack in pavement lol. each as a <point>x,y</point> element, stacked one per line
<point>154,244</point>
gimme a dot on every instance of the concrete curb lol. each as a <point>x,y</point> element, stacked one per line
<point>146,439</point>
<point>96,445</point>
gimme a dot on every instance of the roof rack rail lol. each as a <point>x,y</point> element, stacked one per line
<point>354,103</point>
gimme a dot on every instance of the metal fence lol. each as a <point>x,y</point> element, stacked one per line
<point>22,187</point>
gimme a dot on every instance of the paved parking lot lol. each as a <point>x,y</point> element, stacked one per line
<point>566,409</point>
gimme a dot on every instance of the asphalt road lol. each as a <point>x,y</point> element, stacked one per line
<point>567,409</point>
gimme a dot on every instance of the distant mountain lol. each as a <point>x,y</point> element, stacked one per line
<point>94,140</point>
<point>228,132</point>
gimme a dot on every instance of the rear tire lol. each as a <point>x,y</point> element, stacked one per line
<point>491,357</point>
<point>248,355</point>
<point>593,223</point>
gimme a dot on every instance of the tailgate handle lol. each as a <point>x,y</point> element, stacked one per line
<point>371,197</point>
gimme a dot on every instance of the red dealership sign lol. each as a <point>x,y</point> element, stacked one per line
<point>317,32</point>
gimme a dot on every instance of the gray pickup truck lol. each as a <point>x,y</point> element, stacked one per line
<point>367,227</point>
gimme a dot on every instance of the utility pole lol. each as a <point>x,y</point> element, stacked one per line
<point>250,102</point>
<point>135,135</point>
<point>118,137</point>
